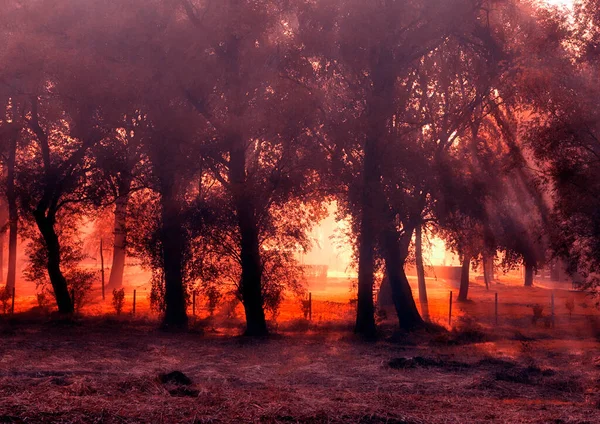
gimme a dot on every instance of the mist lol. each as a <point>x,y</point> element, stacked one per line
<point>299,211</point>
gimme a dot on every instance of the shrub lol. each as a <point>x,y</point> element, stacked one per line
<point>214,296</point>
<point>44,300</point>
<point>5,298</point>
<point>118,300</point>
<point>570,304</point>
<point>157,293</point>
<point>80,286</point>
<point>305,306</point>
<point>538,313</point>
<point>380,315</point>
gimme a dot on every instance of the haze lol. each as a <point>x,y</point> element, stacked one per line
<point>309,211</point>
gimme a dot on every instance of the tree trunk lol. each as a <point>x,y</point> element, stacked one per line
<point>529,273</point>
<point>57,279</point>
<point>379,108</point>
<point>421,272</point>
<point>251,280</point>
<point>13,215</point>
<point>172,238</point>
<point>395,254</point>
<point>487,271</point>
<point>2,254</point>
<point>419,264</point>
<point>115,281</point>
<point>464,279</point>
<point>365,310</point>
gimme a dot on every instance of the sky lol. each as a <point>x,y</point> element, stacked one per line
<point>332,249</point>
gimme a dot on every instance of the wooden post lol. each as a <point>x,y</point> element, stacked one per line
<point>450,310</point>
<point>194,303</point>
<point>310,306</point>
<point>102,267</point>
<point>73,297</point>
<point>12,308</point>
<point>552,308</point>
<point>496,307</point>
<point>134,302</point>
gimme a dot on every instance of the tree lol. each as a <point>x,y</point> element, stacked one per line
<point>122,166</point>
<point>10,133</point>
<point>63,115</point>
<point>262,155</point>
<point>563,135</point>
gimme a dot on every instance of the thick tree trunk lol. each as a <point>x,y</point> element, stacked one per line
<point>251,280</point>
<point>529,273</point>
<point>395,256</point>
<point>421,272</point>
<point>172,238</point>
<point>464,279</point>
<point>13,215</point>
<point>365,312</point>
<point>115,280</point>
<point>379,108</point>
<point>57,279</point>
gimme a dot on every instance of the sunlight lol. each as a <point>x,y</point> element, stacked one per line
<point>560,3</point>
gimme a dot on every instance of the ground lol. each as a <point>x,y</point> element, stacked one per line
<point>107,370</point>
<point>475,368</point>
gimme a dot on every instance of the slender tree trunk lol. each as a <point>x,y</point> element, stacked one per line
<point>172,238</point>
<point>395,253</point>
<point>464,279</point>
<point>419,264</point>
<point>57,279</point>
<point>529,273</point>
<point>365,312</point>
<point>115,280</point>
<point>251,281</point>
<point>421,272</point>
<point>487,271</point>
<point>13,215</point>
<point>2,237</point>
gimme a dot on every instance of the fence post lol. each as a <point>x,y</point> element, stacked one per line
<point>12,308</point>
<point>552,308</point>
<point>102,267</point>
<point>496,307</point>
<point>133,302</point>
<point>310,306</point>
<point>450,310</point>
<point>194,303</point>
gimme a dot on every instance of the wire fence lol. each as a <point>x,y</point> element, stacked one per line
<point>500,305</point>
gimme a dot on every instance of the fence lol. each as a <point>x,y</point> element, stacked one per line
<point>499,306</point>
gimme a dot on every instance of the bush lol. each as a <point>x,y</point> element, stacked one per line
<point>157,293</point>
<point>80,286</point>
<point>305,305</point>
<point>214,296</point>
<point>5,299</point>
<point>118,300</point>
<point>570,304</point>
<point>380,315</point>
<point>44,301</point>
<point>538,313</point>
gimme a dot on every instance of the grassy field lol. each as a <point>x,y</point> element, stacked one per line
<point>103,368</point>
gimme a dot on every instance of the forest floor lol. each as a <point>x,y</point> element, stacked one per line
<point>108,370</point>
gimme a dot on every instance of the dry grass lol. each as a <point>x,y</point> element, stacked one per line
<point>101,368</point>
<point>107,370</point>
